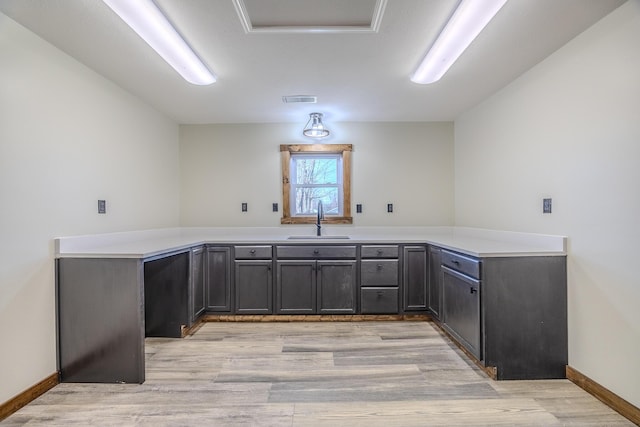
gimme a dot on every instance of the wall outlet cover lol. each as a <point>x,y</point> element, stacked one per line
<point>359,208</point>
<point>102,206</point>
<point>390,207</point>
<point>244,207</point>
<point>546,206</point>
<point>274,207</point>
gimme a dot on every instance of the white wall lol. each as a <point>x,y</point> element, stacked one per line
<point>407,164</point>
<point>570,129</point>
<point>68,137</point>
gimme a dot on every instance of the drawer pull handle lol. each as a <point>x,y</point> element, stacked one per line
<point>379,251</point>
<point>455,262</point>
<point>473,290</point>
<point>316,252</point>
<point>380,294</point>
<point>252,251</point>
<point>379,267</point>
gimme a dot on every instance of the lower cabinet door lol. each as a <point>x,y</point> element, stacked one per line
<point>434,282</point>
<point>218,278</point>
<point>461,309</point>
<point>197,283</point>
<point>296,287</point>
<point>254,287</point>
<point>414,280</point>
<point>379,300</point>
<point>336,287</point>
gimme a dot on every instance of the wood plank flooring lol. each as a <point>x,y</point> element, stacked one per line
<point>315,374</point>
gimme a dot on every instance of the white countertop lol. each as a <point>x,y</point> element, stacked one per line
<point>150,243</point>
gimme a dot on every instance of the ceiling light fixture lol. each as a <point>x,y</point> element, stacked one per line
<point>144,17</point>
<point>314,127</point>
<point>467,22</point>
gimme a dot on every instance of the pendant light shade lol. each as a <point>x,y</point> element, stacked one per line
<point>314,127</point>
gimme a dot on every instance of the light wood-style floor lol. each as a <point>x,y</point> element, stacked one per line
<point>315,374</point>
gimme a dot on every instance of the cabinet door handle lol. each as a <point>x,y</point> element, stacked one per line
<point>473,290</point>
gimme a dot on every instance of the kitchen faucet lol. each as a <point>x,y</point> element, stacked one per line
<point>319,218</point>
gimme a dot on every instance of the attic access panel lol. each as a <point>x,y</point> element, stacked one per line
<point>310,15</point>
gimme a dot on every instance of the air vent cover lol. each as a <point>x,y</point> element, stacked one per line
<point>306,99</point>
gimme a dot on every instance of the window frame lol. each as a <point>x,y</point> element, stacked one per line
<point>344,150</point>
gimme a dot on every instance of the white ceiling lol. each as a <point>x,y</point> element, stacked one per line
<point>356,75</point>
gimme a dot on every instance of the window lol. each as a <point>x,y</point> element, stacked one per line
<point>315,178</point>
<point>316,173</point>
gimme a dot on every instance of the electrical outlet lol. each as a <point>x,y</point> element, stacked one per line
<point>390,207</point>
<point>244,207</point>
<point>274,207</point>
<point>358,208</point>
<point>546,206</point>
<point>102,206</point>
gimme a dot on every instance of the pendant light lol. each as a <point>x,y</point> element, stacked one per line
<point>314,127</point>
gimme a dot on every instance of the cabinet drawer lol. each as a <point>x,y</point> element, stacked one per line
<point>316,252</point>
<point>379,300</point>
<point>253,252</point>
<point>379,272</point>
<point>461,263</point>
<point>379,251</point>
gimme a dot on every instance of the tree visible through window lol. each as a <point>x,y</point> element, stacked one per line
<point>316,178</point>
<point>316,173</point>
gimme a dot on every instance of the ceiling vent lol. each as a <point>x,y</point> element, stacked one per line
<point>305,99</point>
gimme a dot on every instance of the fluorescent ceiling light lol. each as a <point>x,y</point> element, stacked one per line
<point>467,22</point>
<point>144,17</point>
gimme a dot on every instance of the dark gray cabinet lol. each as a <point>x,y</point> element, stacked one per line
<point>101,319</point>
<point>434,282</point>
<point>197,284</point>
<point>524,312</point>
<point>166,299</point>
<point>296,287</point>
<point>310,287</point>
<point>508,312</point>
<point>461,296</point>
<point>379,279</point>
<point>253,287</point>
<point>316,279</point>
<point>253,280</point>
<point>414,278</point>
<point>218,279</point>
<point>336,285</point>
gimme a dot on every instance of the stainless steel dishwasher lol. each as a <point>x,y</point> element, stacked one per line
<point>461,300</point>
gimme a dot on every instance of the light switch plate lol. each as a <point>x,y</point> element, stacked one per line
<point>102,206</point>
<point>390,207</point>
<point>546,206</point>
<point>244,207</point>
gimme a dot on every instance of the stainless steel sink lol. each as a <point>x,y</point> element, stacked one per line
<point>317,237</point>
